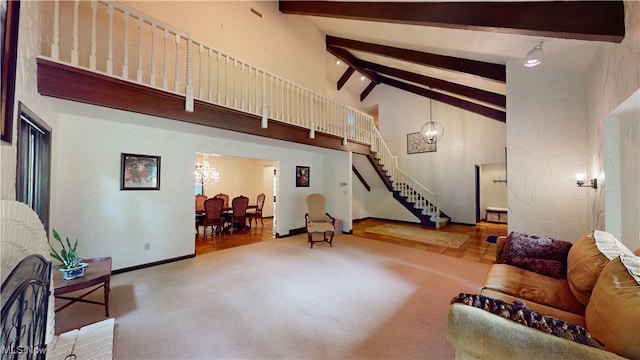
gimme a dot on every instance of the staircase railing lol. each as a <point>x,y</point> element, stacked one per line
<point>132,46</point>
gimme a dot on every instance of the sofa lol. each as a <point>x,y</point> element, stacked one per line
<point>552,299</point>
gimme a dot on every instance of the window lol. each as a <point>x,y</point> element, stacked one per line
<point>34,159</point>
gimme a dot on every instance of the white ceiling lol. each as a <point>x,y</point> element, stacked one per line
<point>493,47</point>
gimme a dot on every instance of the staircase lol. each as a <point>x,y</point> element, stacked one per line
<point>407,192</point>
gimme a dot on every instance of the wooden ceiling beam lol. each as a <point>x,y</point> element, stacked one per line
<point>352,61</point>
<point>453,101</point>
<point>466,91</point>
<point>480,68</point>
<point>581,20</point>
<point>367,90</point>
<point>345,77</point>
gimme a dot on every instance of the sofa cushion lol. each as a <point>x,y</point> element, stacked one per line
<point>531,286</point>
<point>518,312</point>
<point>613,313</point>
<point>586,260</point>
<point>536,253</point>
<point>543,309</point>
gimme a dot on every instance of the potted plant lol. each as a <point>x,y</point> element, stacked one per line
<point>71,263</point>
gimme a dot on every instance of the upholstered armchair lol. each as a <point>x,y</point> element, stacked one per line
<point>318,220</point>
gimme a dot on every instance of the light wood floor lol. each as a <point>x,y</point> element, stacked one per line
<point>475,249</point>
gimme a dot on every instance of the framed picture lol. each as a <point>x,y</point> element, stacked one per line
<point>9,15</point>
<point>302,176</point>
<point>140,172</point>
<point>416,144</point>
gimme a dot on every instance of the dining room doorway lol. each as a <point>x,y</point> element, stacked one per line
<point>235,176</point>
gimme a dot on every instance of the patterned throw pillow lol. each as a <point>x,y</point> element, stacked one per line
<point>539,254</point>
<point>518,312</point>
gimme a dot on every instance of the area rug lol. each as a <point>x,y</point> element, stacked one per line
<point>414,233</point>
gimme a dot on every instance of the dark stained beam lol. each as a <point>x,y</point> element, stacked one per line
<point>453,101</point>
<point>366,91</point>
<point>582,20</point>
<point>352,61</point>
<point>345,77</point>
<point>466,91</point>
<point>479,68</point>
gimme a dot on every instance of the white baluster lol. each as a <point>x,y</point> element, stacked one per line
<point>226,79</point>
<point>74,50</point>
<point>189,89</point>
<point>235,83</point>
<point>210,97</point>
<point>165,70</point>
<point>55,45</point>
<point>255,96</point>
<point>176,83</point>
<point>200,93</point>
<point>92,57</point>
<point>264,122</point>
<point>153,55</point>
<point>125,65</point>
<point>110,50</point>
<point>139,74</point>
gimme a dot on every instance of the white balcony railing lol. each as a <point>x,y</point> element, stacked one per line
<point>132,46</point>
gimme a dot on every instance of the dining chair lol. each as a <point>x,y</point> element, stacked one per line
<point>225,197</point>
<point>213,215</point>
<point>238,216</point>
<point>199,211</point>
<point>257,212</point>
<point>318,219</point>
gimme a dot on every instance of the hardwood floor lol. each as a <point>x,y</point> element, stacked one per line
<point>475,249</point>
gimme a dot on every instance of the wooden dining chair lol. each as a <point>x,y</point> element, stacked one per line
<point>199,211</point>
<point>257,212</point>
<point>213,215</point>
<point>238,216</point>
<point>225,197</point>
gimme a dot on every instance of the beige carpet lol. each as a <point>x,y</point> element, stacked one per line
<point>361,299</point>
<point>414,233</point>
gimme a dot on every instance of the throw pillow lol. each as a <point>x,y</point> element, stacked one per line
<point>518,312</point>
<point>544,255</point>
<point>613,312</point>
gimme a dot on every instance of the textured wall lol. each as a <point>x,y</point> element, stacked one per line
<point>546,141</point>
<point>612,78</point>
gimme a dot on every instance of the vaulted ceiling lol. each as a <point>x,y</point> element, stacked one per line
<point>456,52</point>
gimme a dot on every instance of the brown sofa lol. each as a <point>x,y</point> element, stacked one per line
<point>521,313</point>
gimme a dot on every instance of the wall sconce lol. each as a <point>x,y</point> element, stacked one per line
<point>580,176</point>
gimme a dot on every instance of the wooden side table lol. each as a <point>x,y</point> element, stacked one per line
<point>96,276</point>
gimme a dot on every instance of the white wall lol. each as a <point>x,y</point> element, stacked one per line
<point>469,139</point>
<point>612,78</point>
<point>111,222</point>
<point>546,141</point>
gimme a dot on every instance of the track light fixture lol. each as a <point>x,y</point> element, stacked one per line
<point>534,56</point>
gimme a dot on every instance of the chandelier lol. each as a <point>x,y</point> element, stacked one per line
<point>205,172</point>
<point>431,132</point>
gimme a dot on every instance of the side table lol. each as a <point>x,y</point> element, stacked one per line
<point>97,275</point>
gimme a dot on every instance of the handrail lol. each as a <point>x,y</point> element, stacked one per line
<point>200,71</point>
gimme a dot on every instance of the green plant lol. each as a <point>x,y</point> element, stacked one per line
<point>68,255</point>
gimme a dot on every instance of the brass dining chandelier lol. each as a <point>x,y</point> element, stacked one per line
<point>205,172</point>
<point>431,132</point>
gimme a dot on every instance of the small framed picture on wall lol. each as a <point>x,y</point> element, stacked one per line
<point>140,172</point>
<point>302,176</point>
